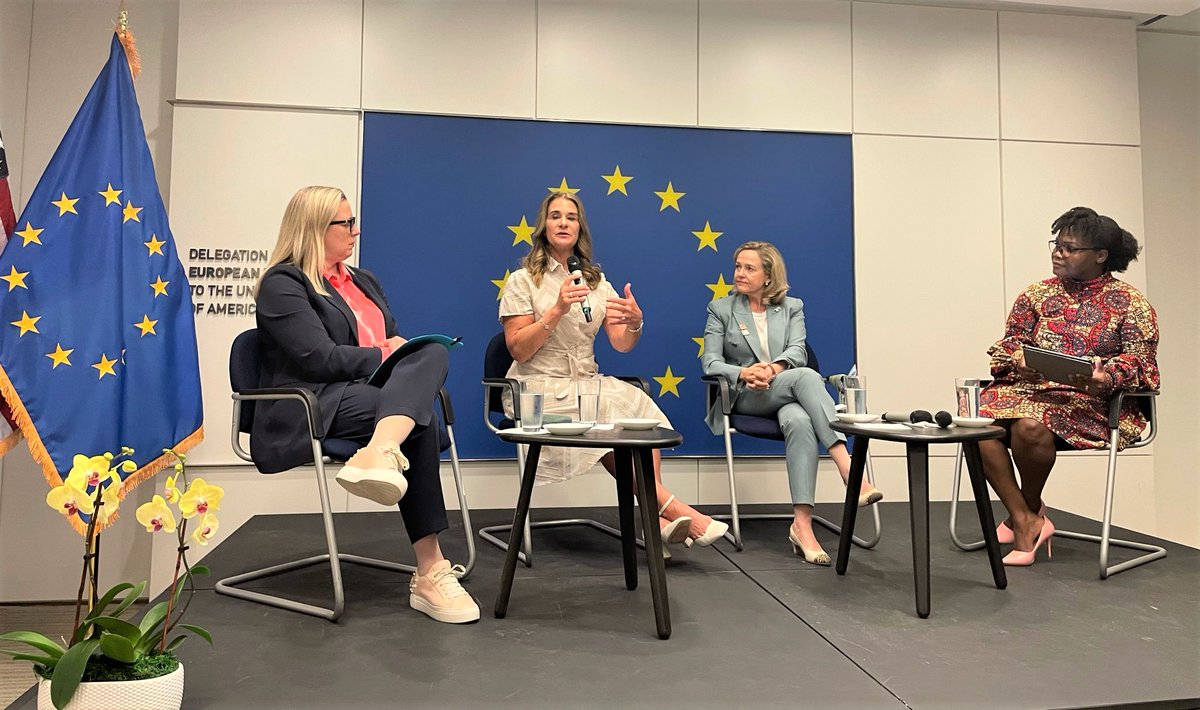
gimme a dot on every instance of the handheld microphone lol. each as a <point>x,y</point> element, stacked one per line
<point>943,419</point>
<point>913,417</point>
<point>573,265</point>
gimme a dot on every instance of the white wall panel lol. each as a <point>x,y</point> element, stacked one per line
<point>235,171</point>
<point>16,17</point>
<point>925,71</point>
<point>1068,79</point>
<point>926,257</point>
<point>296,52</point>
<point>624,61</point>
<point>1043,180</point>
<point>775,64</point>
<point>473,58</point>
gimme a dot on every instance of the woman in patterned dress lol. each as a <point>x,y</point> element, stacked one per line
<point>1082,311</point>
<point>548,336</point>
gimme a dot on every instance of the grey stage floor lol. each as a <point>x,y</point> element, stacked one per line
<point>752,629</point>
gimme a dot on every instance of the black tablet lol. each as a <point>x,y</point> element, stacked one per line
<point>1055,365</point>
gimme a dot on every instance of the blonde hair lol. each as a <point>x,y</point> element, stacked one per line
<point>301,241</point>
<point>776,288</point>
<point>537,261</point>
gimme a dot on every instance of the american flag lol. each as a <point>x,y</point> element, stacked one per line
<point>8,436</point>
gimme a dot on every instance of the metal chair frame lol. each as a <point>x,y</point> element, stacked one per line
<point>229,585</point>
<point>1105,538</point>
<point>498,534</point>
<point>718,387</point>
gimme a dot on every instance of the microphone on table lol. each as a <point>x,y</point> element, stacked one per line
<point>573,265</point>
<point>913,417</point>
<point>943,419</point>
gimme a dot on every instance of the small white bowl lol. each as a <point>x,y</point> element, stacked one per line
<point>637,424</point>
<point>972,421</point>
<point>568,428</point>
<point>857,418</point>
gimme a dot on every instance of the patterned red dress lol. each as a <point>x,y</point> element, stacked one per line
<point>1103,317</point>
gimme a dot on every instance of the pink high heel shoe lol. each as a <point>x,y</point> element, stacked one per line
<point>1004,534</point>
<point>1019,558</point>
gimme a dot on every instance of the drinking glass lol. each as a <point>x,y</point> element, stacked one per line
<point>588,392</point>
<point>966,390</point>
<point>533,398</point>
<point>855,394</point>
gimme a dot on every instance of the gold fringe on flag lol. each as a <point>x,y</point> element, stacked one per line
<point>128,41</point>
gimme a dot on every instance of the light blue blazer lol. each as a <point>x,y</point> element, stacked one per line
<point>731,342</point>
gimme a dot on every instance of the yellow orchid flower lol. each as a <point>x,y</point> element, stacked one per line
<point>111,499</point>
<point>69,500</point>
<point>156,516</point>
<point>171,491</point>
<point>201,498</point>
<point>206,529</point>
<point>87,471</point>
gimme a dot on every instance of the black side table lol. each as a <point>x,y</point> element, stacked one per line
<point>633,451</point>
<point>917,442</point>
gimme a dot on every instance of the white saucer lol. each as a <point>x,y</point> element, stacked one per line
<point>973,421</point>
<point>637,424</point>
<point>857,418</point>
<point>519,430</point>
<point>568,428</point>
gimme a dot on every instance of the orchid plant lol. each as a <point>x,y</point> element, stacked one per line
<point>104,646</point>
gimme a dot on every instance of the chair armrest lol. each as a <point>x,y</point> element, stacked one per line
<point>722,391</point>
<point>638,382</point>
<point>490,384</point>
<point>443,398</point>
<point>1114,410</point>
<point>312,407</point>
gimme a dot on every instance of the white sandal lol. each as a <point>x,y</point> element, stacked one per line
<point>675,531</point>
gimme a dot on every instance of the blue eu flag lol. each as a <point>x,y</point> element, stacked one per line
<point>97,336</point>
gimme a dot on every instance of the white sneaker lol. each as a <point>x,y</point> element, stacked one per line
<point>439,595</point>
<point>385,486</point>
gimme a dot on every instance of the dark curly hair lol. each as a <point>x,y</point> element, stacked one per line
<point>1101,232</point>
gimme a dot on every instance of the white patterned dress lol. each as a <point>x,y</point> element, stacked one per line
<point>568,354</point>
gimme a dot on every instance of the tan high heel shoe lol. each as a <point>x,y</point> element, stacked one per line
<point>817,557</point>
<point>1020,558</point>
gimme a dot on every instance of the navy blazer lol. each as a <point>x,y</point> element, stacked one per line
<point>306,340</point>
<point>731,342</point>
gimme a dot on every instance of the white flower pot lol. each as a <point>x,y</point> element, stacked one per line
<point>161,693</point>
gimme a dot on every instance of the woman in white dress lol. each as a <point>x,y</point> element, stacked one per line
<point>548,336</point>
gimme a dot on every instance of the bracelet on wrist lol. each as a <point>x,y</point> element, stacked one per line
<point>546,327</point>
<point>638,329</point>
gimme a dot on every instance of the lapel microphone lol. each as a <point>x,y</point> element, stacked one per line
<point>573,265</point>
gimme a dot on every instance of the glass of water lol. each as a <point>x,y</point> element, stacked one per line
<point>967,391</point>
<point>533,398</point>
<point>856,394</point>
<point>588,392</point>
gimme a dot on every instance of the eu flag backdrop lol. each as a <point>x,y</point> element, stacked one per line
<point>97,337</point>
<point>448,204</point>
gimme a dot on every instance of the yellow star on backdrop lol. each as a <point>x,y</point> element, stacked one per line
<point>669,383</point>
<point>160,287</point>
<point>500,284</point>
<point>155,245</point>
<point>669,197</point>
<point>699,342</point>
<point>708,238</point>
<point>16,278</point>
<point>29,234</point>
<point>563,187</point>
<point>146,326</point>
<point>110,195</point>
<point>720,289</point>
<point>65,204</point>
<point>27,323</point>
<point>60,356</point>
<point>130,212</point>
<point>522,232</point>
<point>105,366</point>
<point>616,181</point>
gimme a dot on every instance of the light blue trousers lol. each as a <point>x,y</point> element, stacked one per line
<point>797,398</point>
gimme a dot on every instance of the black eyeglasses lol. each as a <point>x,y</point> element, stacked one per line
<point>348,222</point>
<point>1067,249</point>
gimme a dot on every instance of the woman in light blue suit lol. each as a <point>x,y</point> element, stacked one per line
<point>754,338</point>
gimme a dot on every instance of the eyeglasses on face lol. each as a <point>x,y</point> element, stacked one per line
<point>348,222</point>
<point>1067,249</point>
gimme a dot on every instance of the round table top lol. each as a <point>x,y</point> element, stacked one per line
<point>656,438</point>
<point>926,435</point>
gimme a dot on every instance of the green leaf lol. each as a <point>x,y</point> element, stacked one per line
<point>107,599</point>
<point>118,648</point>
<point>200,569</point>
<point>119,627</point>
<point>153,617</point>
<point>34,658</point>
<point>175,642</point>
<point>69,671</point>
<point>41,643</point>
<point>129,599</point>
<point>199,631</point>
